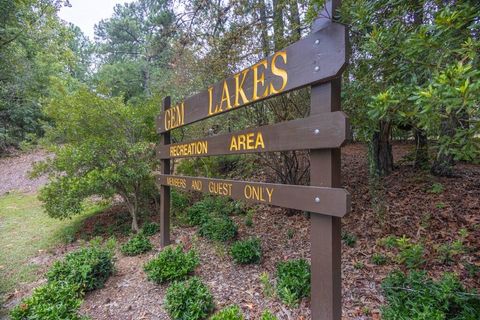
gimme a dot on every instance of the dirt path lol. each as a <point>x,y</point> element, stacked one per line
<point>14,172</point>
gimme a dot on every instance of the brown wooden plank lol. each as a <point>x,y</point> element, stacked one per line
<point>317,58</point>
<point>330,201</point>
<point>315,132</point>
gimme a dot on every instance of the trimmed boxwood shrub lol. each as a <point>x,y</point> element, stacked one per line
<point>51,301</point>
<point>247,251</point>
<point>171,264</point>
<point>293,280</point>
<point>189,300</point>
<point>218,228</point>
<point>417,296</point>
<point>228,313</point>
<point>88,268</point>
<point>136,245</point>
<point>150,228</point>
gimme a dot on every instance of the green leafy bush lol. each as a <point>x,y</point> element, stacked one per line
<point>210,206</point>
<point>379,259</point>
<point>54,300</point>
<point>180,202</point>
<point>293,280</point>
<point>416,296</point>
<point>150,228</point>
<point>247,251</point>
<point>218,228</point>
<point>190,299</point>
<point>171,264</point>
<point>410,254</point>
<point>267,315</point>
<point>88,267</point>
<point>349,239</point>
<point>136,245</point>
<point>229,313</point>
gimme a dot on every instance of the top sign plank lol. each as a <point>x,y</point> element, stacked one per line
<point>317,58</point>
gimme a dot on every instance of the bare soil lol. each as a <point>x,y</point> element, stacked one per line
<point>411,210</point>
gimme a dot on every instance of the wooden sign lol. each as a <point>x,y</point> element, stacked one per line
<point>335,201</point>
<point>317,58</point>
<point>316,132</point>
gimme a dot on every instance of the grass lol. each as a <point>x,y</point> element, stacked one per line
<point>25,232</point>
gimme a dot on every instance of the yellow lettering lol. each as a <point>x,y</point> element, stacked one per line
<point>241,142</point>
<point>239,88</point>
<point>282,73</point>
<point>250,145</point>
<point>233,144</point>
<point>210,99</point>
<point>259,79</point>
<point>175,117</point>
<point>259,141</point>
<point>225,96</point>
<point>269,192</point>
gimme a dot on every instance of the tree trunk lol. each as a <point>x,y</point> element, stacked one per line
<point>133,208</point>
<point>444,162</point>
<point>382,157</point>
<point>421,149</point>
<point>294,19</point>
<point>264,28</point>
<point>278,25</point>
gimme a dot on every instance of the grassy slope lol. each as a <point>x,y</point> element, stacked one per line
<point>25,231</point>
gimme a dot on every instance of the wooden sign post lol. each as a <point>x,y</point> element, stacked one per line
<point>317,61</point>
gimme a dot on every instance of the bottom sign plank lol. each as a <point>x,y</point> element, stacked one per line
<point>329,201</point>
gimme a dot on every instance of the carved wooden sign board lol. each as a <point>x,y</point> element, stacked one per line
<point>317,61</point>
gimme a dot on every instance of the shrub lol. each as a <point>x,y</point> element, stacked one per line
<point>349,239</point>
<point>218,228</point>
<point>136,245</point>
<point>247,251</point>
<point>190,299</point>
<point>51,301</point>
<point>171,264</point>
<point>293,280</point>
<point>416,296</point>
<point>180,202</point>
<point>379,259</point>
<point>410,254</point>
<point>210,206</point>
<point>267,315</point>
<point>88,268</point>
<point>267,287</point>
<point>150,228</point>
<point>229,313</point>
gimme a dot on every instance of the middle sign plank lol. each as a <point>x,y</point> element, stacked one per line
<point>328,130</point>
<point>329,201</point>
<point>317,58</point>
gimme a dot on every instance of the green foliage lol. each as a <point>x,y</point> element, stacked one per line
<point>247,251</point>
<point>107,151</point>
<point>267,315</point>
<point>379,259</point>
<point>88,268</point>
<point>180,202</point>
<point>150,228</point>
<point>171,264</point>
<point>136,245</point>
<point>54,300</point>
<point>436,188</point>
<point>448,251</point>
<point>249,218</point>
<point>389,242</point>
<point>293,280</point>
<point>209,206</point>
<point>416,296</point>
<point>209,166</point>
<point>267,287</point>
<point>410,254</point>
<point>229,313</point>
<point>189,300</point>
<point>349,239</point>
<point>218,228</point>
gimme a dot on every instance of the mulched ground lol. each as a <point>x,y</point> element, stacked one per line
<point>411,210</point>
<point>14,172</point>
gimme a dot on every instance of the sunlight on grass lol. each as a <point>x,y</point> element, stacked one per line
<point>25,232</point>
